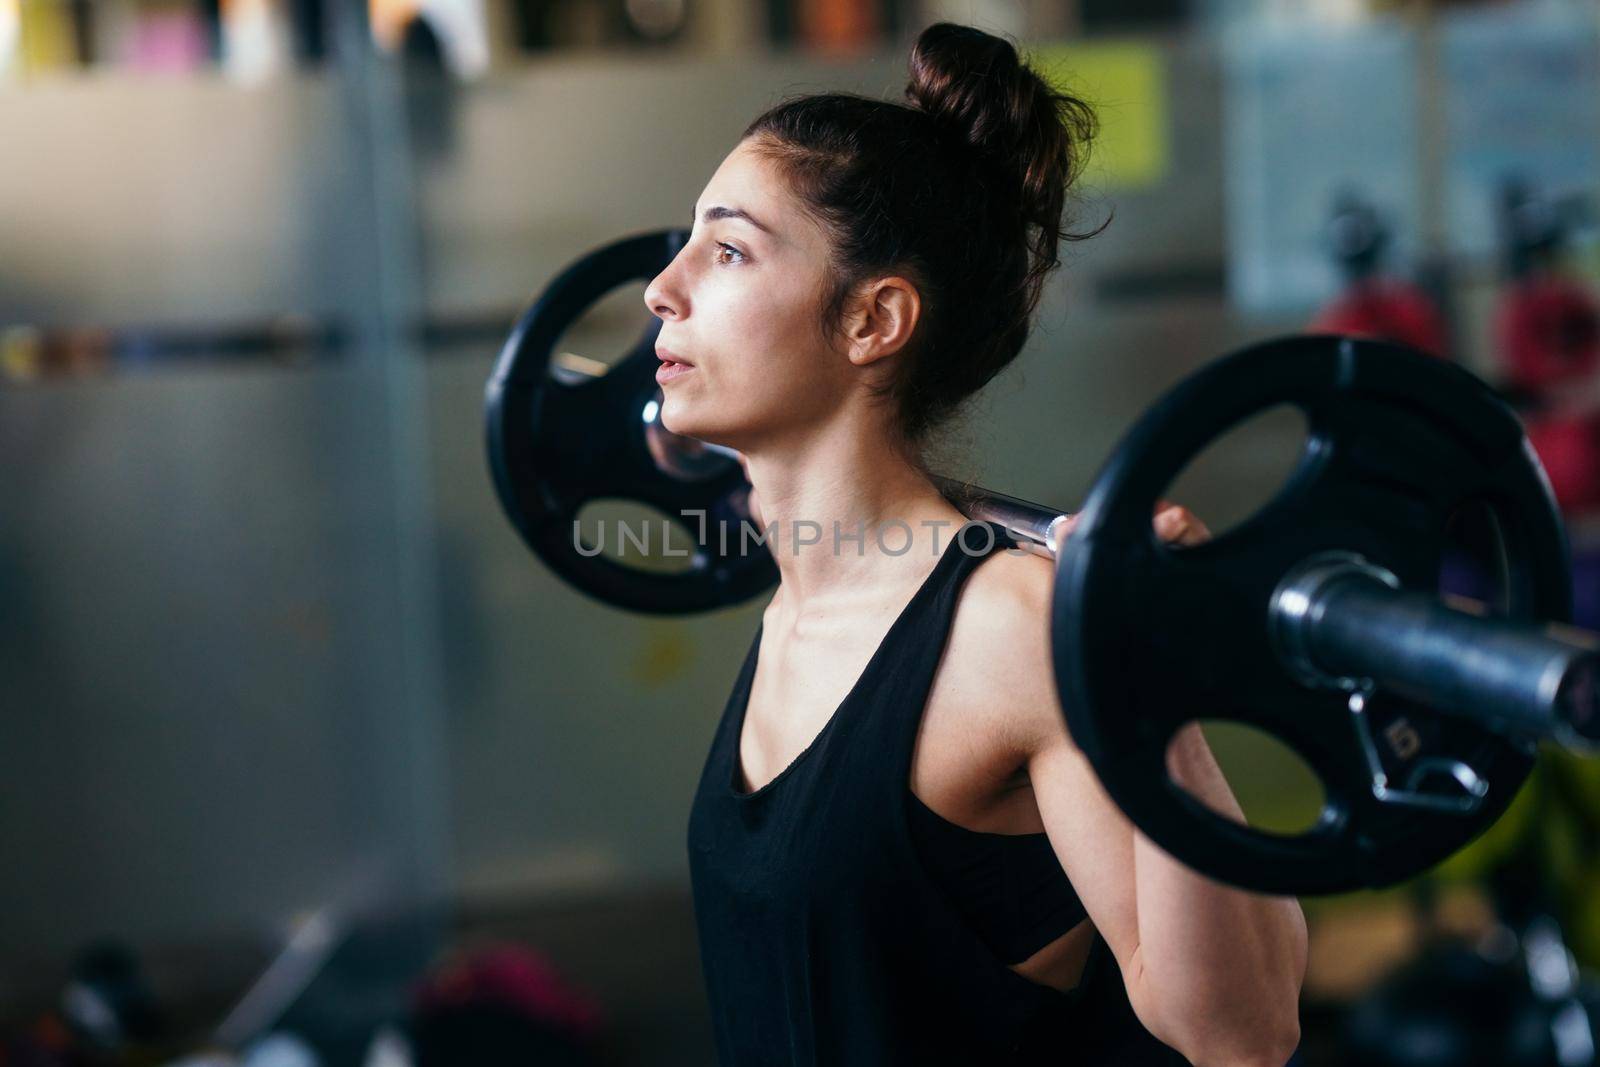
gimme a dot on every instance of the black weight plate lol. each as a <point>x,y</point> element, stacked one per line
<point>1147,638</point>
<point>557,443</point>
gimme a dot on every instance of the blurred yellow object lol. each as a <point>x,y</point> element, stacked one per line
<point>19,353</point>
<point>1358,938</point>
<point>1554,824</point>
<point>46,38</point>
<point>1496,843</point>
<point>665,657</point>
<point>1583,935</point>
<point>1126,82</point>
<point>1575,849</point>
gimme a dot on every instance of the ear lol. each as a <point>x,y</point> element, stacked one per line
<point>881,319</point>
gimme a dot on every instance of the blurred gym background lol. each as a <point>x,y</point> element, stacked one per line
<point>304,758</point>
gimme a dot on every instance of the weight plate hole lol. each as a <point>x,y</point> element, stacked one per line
<point>1240,473</point>
<point>634,535</point>
<point>1277,789</point>
<point>602,336</point>
<point>1473,569</point>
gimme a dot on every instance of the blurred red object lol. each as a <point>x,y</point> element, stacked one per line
<point>840,27</point>
<point>1548,331</point>
<point>514,977</point>
<point>1569,447</point>
<point>1386,309</point>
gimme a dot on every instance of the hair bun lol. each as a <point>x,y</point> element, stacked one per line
<point>973,85</point>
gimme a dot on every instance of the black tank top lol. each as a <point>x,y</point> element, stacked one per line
<point>1009,887</point>
<point>826,937</point>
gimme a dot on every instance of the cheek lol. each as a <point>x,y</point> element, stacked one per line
<point>762,332</point>
<point>780,315</point>
<point>752,306</point>
<point>761,329</point>
<point>781,359</point>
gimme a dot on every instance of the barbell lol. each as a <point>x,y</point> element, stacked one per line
<point>1319,620</point>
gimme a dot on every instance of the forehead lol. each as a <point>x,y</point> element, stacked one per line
<point>745,180</point>
<point>745,165</point>
<point>748,180</point>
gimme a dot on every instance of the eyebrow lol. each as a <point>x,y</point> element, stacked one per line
<point>712,214</point>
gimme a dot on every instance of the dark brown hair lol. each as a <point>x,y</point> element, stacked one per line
<point>962,188</point>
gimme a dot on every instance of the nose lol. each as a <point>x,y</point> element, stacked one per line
<point>661,295</point>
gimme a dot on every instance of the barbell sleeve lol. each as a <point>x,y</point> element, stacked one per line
<point>1349,624</point>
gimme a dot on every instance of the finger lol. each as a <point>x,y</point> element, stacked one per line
<point>1063,531</point>
<point>1170,525</point>
<point>1178,524</point>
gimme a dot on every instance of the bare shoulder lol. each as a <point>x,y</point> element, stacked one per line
<point>998,657</point>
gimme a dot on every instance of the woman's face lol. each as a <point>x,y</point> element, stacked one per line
<point>740,304</point>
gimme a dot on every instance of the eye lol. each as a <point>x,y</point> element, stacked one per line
<point>722,247</point>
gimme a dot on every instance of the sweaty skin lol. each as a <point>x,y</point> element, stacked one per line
<point>1213,971</point>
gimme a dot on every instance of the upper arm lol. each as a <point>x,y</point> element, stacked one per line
<point>1002,630</point>
<point>1002,638</point>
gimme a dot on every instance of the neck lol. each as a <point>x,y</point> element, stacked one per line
<point>847,513</point>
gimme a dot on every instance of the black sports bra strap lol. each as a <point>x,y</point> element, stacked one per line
<point>908,669</point>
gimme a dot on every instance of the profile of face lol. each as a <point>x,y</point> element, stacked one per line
<point>741,304</point>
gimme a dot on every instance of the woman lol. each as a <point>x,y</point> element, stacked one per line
<point>898,855</point>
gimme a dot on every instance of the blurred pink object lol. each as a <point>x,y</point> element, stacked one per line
<point>514,977</point>
<point>166,41</point>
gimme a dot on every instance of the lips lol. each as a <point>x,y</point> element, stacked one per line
<point>667,355</point>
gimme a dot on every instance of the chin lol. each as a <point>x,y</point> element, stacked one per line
<point>679,417</point>
<point>685,420</point>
